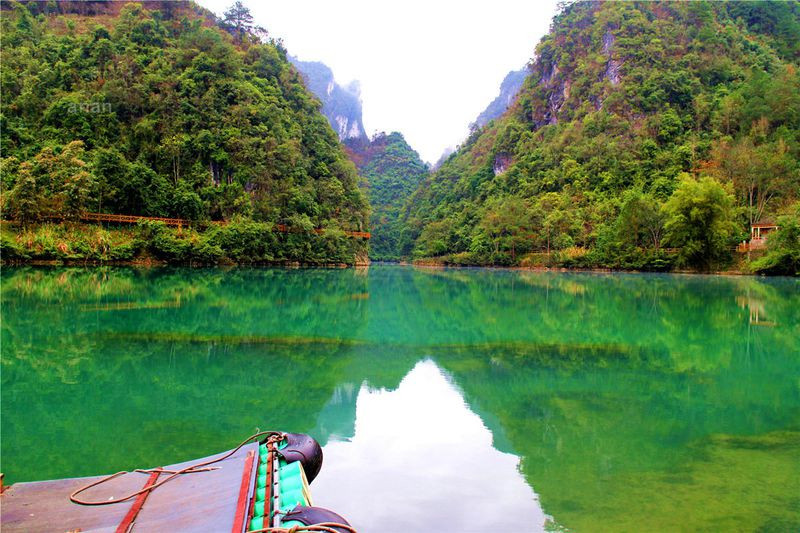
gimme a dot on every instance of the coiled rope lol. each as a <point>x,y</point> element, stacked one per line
<point>203,466</point>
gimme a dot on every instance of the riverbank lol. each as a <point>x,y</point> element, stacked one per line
<point>151,244</point>
<point>155,244</point>
<point>739,266</point>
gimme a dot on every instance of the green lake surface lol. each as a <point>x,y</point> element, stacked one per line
<point>446,400</point>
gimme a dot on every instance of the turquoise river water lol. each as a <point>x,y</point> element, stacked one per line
<point>445,400</point>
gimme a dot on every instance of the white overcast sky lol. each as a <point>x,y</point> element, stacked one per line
<point>427,67</point>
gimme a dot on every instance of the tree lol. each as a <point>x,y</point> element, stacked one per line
<point>759,173</point>
<point>73,182</point>
<point>434,239</point>
<point>506,223</point>
<point>111,168</point>
<point>555,221</point>
<point>187,204</point>
<point>238,20</point>
<point>77,190</point>
<point>25,198</point>
<point>102,49</point>
<point>701,220</point>
<point>172,146</point>
<point>640,221</point>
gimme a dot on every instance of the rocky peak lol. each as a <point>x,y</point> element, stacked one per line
<point>502,161</point>
<point>613,65</point>
<point>340,105</point>
<point>509,89</point>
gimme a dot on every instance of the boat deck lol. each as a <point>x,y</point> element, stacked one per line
<point>202,501</point>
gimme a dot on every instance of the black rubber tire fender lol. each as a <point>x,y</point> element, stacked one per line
<point>315,515</point>
<point>303,448</point>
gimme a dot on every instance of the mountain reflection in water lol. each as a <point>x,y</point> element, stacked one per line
<point>410,445</point>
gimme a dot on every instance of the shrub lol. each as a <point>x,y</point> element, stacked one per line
<point>245,241</point>
<point>11,249</point>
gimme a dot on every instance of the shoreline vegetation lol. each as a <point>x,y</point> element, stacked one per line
<point>421,263</point>
<point>245,242</point>
<point>154,243</point>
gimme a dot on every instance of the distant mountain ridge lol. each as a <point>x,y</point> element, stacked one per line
<point>341,105</point>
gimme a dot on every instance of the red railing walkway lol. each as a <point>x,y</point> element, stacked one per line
<point>133,219</point>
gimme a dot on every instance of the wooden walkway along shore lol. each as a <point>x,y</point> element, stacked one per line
<point>180,222</point>
<point>132,219</point>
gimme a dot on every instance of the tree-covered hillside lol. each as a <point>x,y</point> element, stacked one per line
<point>642,126</point>
<point>117,108</point>
<point>393,171</point>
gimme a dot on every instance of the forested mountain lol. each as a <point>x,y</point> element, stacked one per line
<point>160,109</point>
<point>642,125</point>
<point>393,171</point>
<point>509,89</point>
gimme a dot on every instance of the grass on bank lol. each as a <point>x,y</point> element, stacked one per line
<point>241,242</point>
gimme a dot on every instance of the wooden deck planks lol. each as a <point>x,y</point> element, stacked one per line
<point>204,501</point>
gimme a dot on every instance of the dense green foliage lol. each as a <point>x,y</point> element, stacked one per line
<point>623,98</point>
<point>393,171</point>
<point>166,113</point>
<point>241,241</point>
<point>700,220</point>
